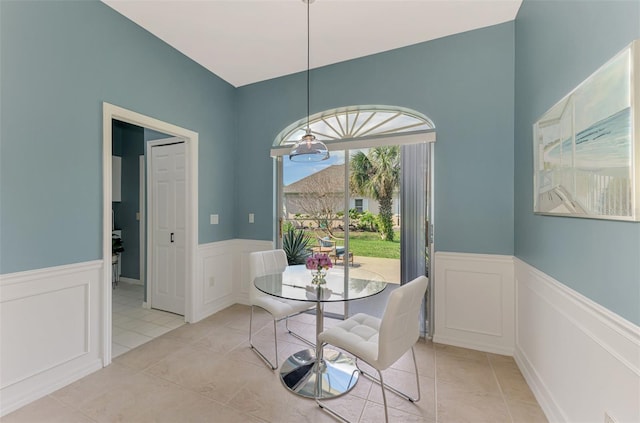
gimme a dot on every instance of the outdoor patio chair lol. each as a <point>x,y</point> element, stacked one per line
<point>329,243</point>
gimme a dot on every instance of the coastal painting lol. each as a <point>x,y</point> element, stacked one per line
<point>587,146</point>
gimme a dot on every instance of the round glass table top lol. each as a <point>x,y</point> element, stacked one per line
<point>295,284</point>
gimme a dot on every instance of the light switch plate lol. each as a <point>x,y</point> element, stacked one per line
<point>214,219</point>
<point>251,218</point>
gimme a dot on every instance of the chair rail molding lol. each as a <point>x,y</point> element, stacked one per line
<point>580,359</point>
<point>51,322</point>
<point>474,301</point>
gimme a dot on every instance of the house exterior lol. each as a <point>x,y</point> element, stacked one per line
<point>560,295</point>
<point>330,181</point>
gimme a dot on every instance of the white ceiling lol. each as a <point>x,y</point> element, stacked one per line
<point>246,41</point>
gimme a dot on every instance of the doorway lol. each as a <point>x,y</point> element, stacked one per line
<point>369,206</point>
<point>366,208</point>
<point>134,322</point>
<point>188,231</point>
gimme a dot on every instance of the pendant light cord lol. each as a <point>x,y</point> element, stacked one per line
<point>308,63</point>
<point>308,148</point>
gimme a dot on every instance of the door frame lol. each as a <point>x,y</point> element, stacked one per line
<point>142,198</point>
<point>427,137</point>
<point>109,113</point>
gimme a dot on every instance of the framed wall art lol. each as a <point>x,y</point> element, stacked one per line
<point>587,146</point>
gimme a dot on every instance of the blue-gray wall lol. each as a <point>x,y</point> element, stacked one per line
<point>116,138</point>
<point>150,135</point>
<point>59,60</point>
<point>558,45</point>
<point>116,150</point>
<point>464,83</point>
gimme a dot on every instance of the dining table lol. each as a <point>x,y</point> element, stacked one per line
<point>320,373</point>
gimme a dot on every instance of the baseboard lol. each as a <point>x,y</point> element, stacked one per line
<point>51,330</point>
<point>130,280</point>
<point>540,390</point>
<point>579,358</point>
<point>473,345</point>
<point>20,400</point>
<point>474,301</point>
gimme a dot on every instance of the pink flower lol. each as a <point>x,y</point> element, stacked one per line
<point>318,262</point>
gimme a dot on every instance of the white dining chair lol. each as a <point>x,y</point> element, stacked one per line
<point>269,262</point>
<point>381,342</point>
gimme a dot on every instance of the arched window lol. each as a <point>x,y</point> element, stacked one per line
<point>348,124</point>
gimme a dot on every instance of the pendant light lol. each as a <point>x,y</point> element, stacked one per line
<point>308,149</point>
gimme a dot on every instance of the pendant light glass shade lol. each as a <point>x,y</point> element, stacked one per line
<point>308,149</point>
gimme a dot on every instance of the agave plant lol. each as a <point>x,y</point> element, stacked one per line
<point>295,244</point>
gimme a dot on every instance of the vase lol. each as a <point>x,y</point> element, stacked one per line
<point>318,276</point>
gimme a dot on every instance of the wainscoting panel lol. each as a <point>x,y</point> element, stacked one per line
<point>50,323</point>
<point>580,359</point>
<point>215,278</point>
<point>23,357</point>
<point>223,275</point>
<point>245,247</point>
<point>474,301</point>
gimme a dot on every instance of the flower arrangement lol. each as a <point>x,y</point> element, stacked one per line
<point>318,264</point>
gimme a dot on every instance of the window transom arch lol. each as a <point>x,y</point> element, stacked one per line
<point>354,122</point>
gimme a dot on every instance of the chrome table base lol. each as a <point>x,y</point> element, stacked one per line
<point>338,374</point>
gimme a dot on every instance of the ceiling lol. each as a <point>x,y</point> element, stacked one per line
<point>246,41</point>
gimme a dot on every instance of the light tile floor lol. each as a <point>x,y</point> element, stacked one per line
<point>206,372</point>
<point>133,325</point>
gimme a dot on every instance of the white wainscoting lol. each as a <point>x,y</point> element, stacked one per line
<point>223,277</point>
<point>580,359</point>
<point>50,324</point>
<point>214,278</point>
<point>474,301</point>
<point>245,247</point>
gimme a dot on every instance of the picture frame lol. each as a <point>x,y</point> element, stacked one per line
<point>586,148</point>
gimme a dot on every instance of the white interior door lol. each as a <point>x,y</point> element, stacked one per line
<point>168,227</point>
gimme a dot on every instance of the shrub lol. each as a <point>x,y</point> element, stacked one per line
<point>287,225</point>
<point>368,222</point>
<point>295,244</point>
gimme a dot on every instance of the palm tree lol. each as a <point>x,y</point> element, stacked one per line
<point>377,175</point>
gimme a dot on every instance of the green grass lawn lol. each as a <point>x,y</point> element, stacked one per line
<point>369,244</point>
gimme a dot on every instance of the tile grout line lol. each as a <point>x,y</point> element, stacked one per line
<point>212,331</point>
<point>71,407</point>
<point>435,382</point>
<point>504,399</point>
<point>124,297</point>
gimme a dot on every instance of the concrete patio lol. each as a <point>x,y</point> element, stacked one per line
<point>384,269</point>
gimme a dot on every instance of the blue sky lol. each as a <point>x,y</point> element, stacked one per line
<point>294,171</point>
